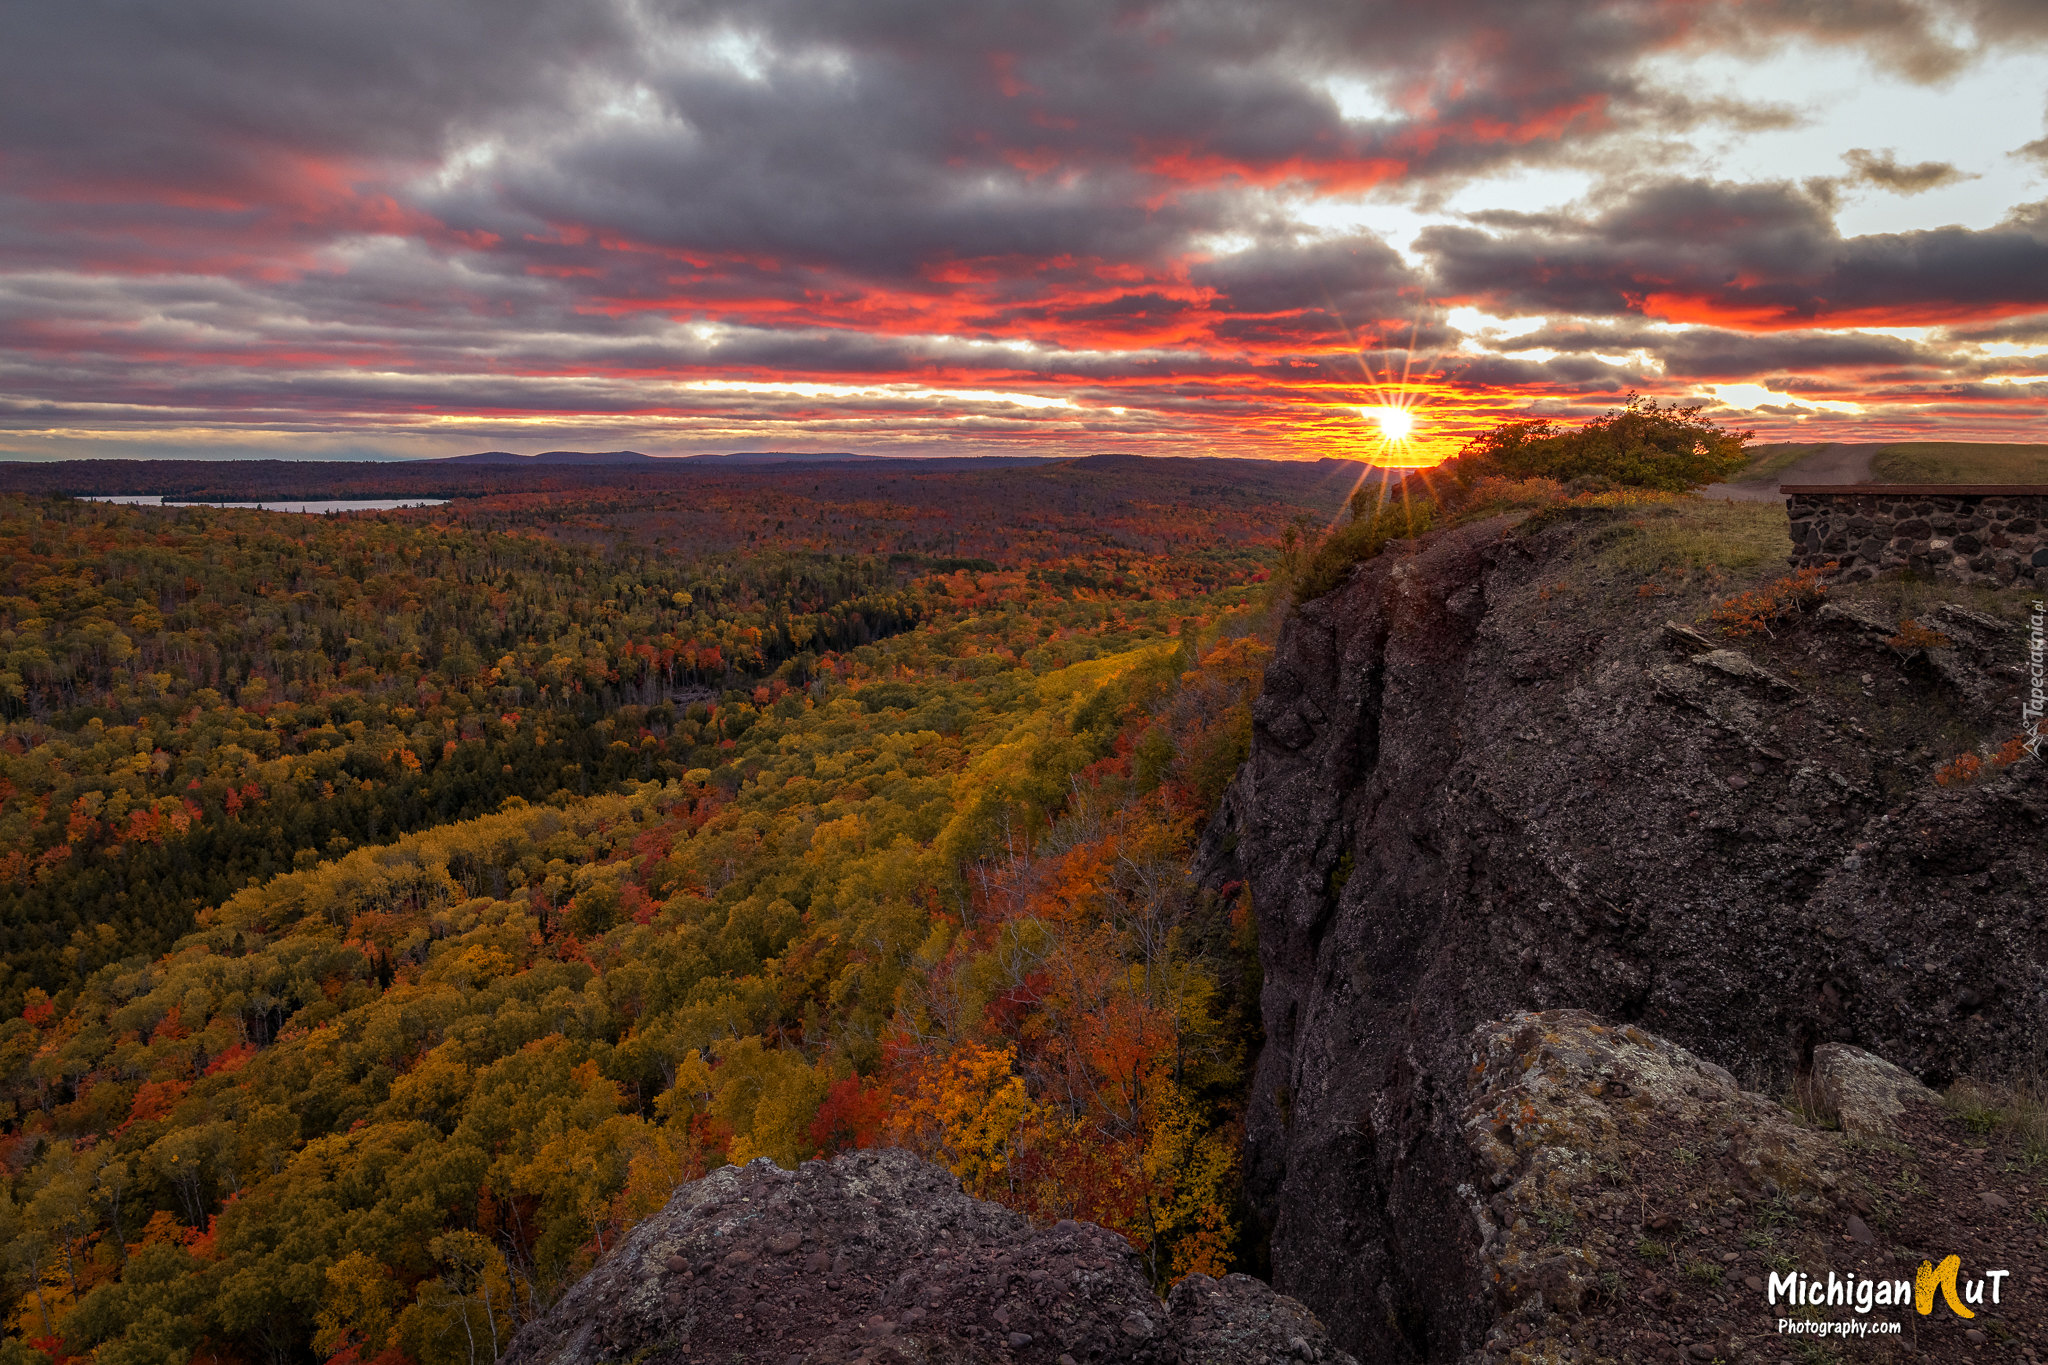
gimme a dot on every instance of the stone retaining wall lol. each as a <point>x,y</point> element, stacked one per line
<point>1995,535</point>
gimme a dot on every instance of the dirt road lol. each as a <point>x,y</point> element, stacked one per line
<point>1830,464</point>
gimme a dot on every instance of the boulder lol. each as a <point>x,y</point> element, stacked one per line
<point>1630,1199</point>
<point>880,1256</point>
<point>1867,1095</point>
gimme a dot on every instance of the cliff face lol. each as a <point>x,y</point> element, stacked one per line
<point>1487,777</point>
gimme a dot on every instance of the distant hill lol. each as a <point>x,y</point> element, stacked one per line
<point>780,457</point>
<point>895,463</point>
<point>617,457</point>
<point>549,457</point>
<point>1962,462</point>
<point>1905,462</point>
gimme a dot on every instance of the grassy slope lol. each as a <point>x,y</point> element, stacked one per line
<point>1961,462</point>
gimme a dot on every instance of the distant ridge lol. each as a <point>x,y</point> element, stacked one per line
<point>613,457</point>
<point>555,457</point>
<point>781,457</point>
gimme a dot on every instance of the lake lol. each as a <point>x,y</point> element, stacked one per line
<point>329,505</point>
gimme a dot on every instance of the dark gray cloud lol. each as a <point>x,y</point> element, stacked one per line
<point>209,94</point>
<point>1923,40</point>
<point>2020,330</point>
<point>1722,355</point>
<point>864,135</point>
<point>1768,255</point>
<point>297,214</point>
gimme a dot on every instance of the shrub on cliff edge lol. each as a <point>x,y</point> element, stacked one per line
<point>1371,527</point>
<point>1645,444</point>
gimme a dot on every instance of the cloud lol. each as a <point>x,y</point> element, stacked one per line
<point>1926,41</point>
<point>1718,354</point>
<point>1764,255</point>
<point>435,223</point>
<point>1883,170</point>
<point>2019,331</point>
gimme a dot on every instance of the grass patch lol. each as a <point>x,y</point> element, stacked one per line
<point>1809,1103</point>
<point>1706,1272</point>
<point>1960,462</point>
<point>1645,537</point>
<point>1650,1249</point>
<point>1490,497</point>
<point>1677,548</point>
<point>2011,1117</point>
<point>1912,597</point>
<point>1777,1214</point>
<point>1692,536</point>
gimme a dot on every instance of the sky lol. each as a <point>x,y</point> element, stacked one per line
<point>314,229</point>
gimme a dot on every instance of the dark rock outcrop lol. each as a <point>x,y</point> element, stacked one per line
<point>879,1256</point>
<point>1486,779</point>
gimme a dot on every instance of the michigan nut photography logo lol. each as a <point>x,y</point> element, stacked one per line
<point>1860,1294</point>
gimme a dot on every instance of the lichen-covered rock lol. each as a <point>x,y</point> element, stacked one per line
<point>1565,1114</point>
<point>1867,1095</point>
<point>1629,1200</point>
<point>1735,664</point>
<point>879,1256</point>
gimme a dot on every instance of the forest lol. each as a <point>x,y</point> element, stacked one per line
<point>399,905</point>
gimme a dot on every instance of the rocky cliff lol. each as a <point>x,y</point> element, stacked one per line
<point>1488,777</point>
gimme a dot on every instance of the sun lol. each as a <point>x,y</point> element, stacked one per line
<point>1396,424</point>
